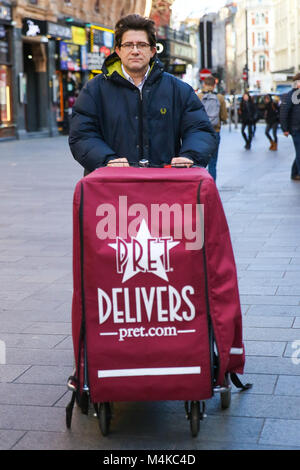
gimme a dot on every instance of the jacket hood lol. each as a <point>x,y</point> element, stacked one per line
<point>112,67</point>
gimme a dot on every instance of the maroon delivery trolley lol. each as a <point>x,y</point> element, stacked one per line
<point>156,312</point>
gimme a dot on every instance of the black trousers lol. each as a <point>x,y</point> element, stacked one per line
<point>274,127</point>
<point>248,137</point>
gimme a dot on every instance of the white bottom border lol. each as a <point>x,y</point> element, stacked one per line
<point>149,371</point>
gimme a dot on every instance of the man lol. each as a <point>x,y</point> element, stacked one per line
<point>216,109</point>
<point>135,111</point>
<point>290,122</point>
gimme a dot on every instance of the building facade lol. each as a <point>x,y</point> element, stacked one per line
<point>48,49</point>
<point>255,39</point>
<point>232,79</point>
<point>174,47</point>
<point>287,42</point>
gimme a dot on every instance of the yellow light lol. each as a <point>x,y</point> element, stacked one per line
<point>8,103</point>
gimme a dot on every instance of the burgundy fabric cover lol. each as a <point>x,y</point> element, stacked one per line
<point>147,325</point>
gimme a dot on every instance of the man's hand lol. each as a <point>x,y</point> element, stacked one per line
<point>286,134</point>
<point>118,162</point>
<point>181,162</point>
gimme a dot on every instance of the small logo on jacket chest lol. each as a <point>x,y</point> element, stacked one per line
<point>163,110</point>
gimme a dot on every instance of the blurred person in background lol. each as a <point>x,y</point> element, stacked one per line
<point>290,122</point>
<point>215,107</point>
<point>272,120</point>
<point>247,112</point>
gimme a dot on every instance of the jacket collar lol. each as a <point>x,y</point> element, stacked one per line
<point>112,68</point>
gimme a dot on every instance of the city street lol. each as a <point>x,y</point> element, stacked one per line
<point>262,205</point>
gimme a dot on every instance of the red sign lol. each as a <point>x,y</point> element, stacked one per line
<point>204,73</point>
<point>245,75</point>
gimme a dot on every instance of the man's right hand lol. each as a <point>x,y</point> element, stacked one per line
<point>117,162</point>
<point>286,134</point>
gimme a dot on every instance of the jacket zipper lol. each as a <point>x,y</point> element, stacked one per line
<point>141,130</point>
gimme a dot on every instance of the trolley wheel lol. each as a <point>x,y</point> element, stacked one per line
<point>104,416</point>
<point>226,396</point>
<point>225,399</point>
<point>195,417</point>
<point>69,410</point>
<point>84,403</point>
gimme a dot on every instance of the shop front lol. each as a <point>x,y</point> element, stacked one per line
<point>174,50</point>
<point>71,73</point>
<point>7,125</point>
<point>101,45</point>
<point>33,79</point>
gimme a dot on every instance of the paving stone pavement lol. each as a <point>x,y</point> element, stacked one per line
<point>262,206</point>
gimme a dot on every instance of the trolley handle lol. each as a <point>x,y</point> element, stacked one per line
<point>143,163</point>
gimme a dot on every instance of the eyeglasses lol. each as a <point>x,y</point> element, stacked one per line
<point>129,46</point>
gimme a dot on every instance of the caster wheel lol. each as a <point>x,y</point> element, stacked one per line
<point>84,403</point>
<point>69,410</point>
<point>195,418</point>
<point>226,396</point>
<point>104,416</point>
<point>68,418</point>
<point>225,399</point>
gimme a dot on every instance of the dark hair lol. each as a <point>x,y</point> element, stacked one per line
<point>210,80</point>
<point>249,96</point>
<point>137,23</point>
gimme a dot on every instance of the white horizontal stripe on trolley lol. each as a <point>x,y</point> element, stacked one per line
<point>186,331</point>
<point>149,371</point>
<point>108,334</point>
<point>236,351</point>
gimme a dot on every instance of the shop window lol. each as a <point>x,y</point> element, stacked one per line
<point>5,95</point>
<point>4,45</point>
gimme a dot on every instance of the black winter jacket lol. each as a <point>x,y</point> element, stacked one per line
<point>111,119</point>
<point>272,113</point>
<point>290,112</point>
<point>248,112</point>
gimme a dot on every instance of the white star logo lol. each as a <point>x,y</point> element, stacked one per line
<point>143,254</point>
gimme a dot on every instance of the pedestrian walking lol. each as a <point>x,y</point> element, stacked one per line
<point>255,117</point>
<point>135,111</point>
<point>215,107</point>
<point>272,120</point>
<point>290,122</point>
<point>247,114</point>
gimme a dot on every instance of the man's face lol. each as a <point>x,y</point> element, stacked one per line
<point>135,60</point>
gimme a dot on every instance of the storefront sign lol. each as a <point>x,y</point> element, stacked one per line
<point>95,61</point>
<point>162,48</point>
<point>101,37</point>
<point>177,69</point>
<point>108,39</point>
<point>59,31</point>
<point>181,51</point>
<point>4,52</point>
<point>69,56</point>
<point>78,36</point>
<point>5,13</point>
<point>84,57</point>
<point>32,27</point>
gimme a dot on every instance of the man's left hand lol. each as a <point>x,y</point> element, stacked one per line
<point>181,162</point>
